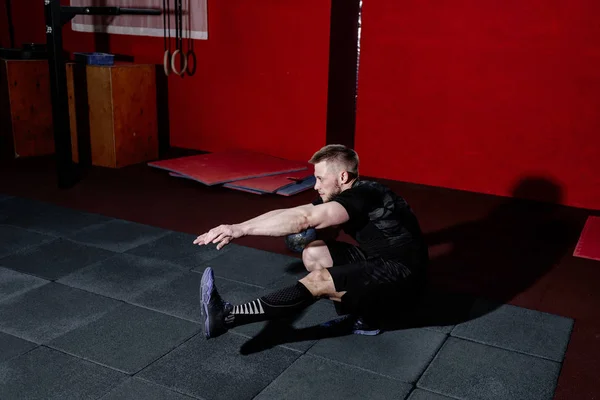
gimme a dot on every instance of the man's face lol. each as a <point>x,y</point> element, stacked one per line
<point>328,184</point>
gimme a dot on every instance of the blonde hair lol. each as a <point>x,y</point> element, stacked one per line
<point>340,155</point>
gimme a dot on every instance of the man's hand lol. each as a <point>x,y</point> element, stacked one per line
<point>222,235</point>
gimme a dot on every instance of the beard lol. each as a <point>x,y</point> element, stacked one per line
<point>336,190</point>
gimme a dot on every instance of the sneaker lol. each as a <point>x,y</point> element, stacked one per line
<point>360,327</point>
<point>213,308</point>
<point>356,324</point>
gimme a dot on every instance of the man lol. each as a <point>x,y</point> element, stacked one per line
<point>391,256</point>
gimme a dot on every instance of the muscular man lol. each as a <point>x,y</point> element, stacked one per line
<point>390,257</point>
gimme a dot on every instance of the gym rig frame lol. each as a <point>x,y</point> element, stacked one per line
<point>56,17</point>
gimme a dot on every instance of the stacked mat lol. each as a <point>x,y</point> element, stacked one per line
<point>588,245</point>
<point>243,170</point>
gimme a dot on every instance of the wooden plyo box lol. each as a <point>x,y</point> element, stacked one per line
<point>26,127</point>
<point>121,104</point>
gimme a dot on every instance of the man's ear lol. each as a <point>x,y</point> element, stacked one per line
<point>344,176</point>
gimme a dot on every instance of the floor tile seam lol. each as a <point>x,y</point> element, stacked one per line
<point>20,337</point>
<point>52,235</point>
<point>235,281</point>
<point>75,232</point>
<point>432,359</point>
<point>168,263</point>
<point>358,368</point>
<point>20,293</point>
<point>29,247</point>
<point>304,351</point>
<point>173,348</point>
<point>127,302</point>
<point>131,252</point>
<point>91,244</point>
<point>415,387</point>
<point>86,266</point>
<point>83,358</point>
<point>192,337</point>
<point>246,336</point>
<point>56,239</point>
<point>167,387</point>
<point>286,346</point>
<point>163,312</point>
<point>432,328</point>
<point>179,269</point>
<point>280,374</point>
<point>21,354</point>
<point>506,349</point>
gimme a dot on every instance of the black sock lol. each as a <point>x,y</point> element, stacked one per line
<point>279,304</point>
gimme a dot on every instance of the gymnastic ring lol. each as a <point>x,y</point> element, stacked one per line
<point>166,62</point>
<point>193,54</point>
<point>173,63</point>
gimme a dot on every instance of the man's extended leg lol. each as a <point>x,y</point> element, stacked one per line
<point>218,316</point>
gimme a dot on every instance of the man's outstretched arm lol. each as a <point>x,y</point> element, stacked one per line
<point>288,221</point>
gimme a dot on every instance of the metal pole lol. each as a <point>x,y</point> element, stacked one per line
<point>11,27</point>
<point>65,167</point>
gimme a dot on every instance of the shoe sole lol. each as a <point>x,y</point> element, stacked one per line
<point>341,320</point>
<point>206,288</point>
<point>366,333</point>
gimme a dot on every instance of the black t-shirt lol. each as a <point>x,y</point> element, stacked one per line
<point>382,223</point>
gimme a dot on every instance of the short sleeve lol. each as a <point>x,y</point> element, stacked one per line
<point>358,201</point>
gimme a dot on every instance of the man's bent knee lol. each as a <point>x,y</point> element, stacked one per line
<point>316,256</point>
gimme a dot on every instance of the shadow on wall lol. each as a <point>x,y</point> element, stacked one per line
<point>511,248</point>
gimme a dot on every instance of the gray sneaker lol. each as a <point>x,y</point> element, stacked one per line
<point>213,308</point>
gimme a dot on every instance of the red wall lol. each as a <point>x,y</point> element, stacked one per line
<point>261,81</point>
<point>28,19</point>
<point>479,95</point>
<point>462,94</point>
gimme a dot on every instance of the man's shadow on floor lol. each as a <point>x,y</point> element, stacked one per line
<point>493,259</point>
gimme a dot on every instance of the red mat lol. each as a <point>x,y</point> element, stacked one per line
<point>589,241</point>
<point>228,166</point>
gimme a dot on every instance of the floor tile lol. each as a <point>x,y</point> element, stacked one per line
<point>248,265</point>
<point>468,370</point>
<point>11,346</point>
<point>47,218</point>
<point>118,235</point>
<point>181,297</point>
<point>401,354</point>
<point>317,378</point>
<point>49,374</point>
<point>123,276</point>
<point>13,239</point>
<point>179,248</point>
<point>127,339</point>
<point>55,259</point>
<point>13,283</point>
<point>214,369</point>
<point>134,388</point>
<point>519,329</point>
<point>49,311</point>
